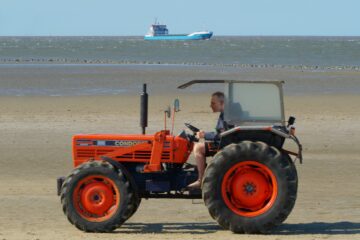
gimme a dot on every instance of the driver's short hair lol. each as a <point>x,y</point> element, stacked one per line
<point>219,95</point>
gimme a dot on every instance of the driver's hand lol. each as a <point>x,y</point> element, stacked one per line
<point>200,134</point>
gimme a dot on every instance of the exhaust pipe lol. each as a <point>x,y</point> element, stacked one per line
<point>143,109</point>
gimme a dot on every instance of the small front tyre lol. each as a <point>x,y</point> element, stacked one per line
<point>96,197</point>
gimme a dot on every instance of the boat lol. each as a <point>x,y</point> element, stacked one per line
<point>160,32</point>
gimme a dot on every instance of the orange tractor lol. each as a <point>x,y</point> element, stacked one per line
<point>249,186</point>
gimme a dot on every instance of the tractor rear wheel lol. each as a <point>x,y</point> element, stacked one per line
<point>250,187</point>
<point>96,197</point>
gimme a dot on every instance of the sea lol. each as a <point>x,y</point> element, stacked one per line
<point>307,52</point>
<point>56,66</point>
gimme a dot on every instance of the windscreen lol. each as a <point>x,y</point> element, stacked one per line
<point>254,102</point>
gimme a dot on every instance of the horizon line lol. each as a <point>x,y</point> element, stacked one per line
<point>224,35</point>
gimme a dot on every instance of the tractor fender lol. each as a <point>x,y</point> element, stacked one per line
<point>127,174</point>
<point>266,128</point>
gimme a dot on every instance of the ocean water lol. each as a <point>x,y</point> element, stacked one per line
<point>73,66</point>
<point>262,52</point>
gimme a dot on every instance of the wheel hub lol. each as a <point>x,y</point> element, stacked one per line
<point>249,188</point>
<point>97,198</point>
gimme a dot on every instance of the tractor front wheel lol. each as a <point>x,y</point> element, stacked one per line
<point>250,187</point>
<point>96,197</point>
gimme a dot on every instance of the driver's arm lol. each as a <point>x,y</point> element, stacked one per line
<point>206,135</point>
<point>200,134</point>
<point>210,135</point>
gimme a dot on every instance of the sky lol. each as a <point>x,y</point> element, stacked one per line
<point>223,17</point>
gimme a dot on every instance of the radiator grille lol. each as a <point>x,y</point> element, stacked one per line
<point>143,155</point>
<point>85,153</point>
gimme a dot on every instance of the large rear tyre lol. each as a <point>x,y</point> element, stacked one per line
<point>96,197</point>
<point>250,187</point>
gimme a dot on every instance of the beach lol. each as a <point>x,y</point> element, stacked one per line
<point>49,104</point>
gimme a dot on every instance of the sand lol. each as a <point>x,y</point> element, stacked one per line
<point>36,148</point>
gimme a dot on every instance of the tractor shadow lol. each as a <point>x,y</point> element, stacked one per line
<point>336,228</point>
<point>320,228</point>
<point>166,228</point>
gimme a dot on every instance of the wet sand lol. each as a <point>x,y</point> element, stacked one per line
<point>77,80</point>
<point>36,148</point>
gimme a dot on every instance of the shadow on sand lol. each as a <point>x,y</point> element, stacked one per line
<point>337,228</point>
<point>192,228</point>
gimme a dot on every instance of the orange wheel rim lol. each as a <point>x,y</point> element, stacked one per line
<point>96,198</point>
<point>249,188</point>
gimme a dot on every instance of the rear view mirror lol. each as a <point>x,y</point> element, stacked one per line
<point>176,105</point>
<point>168,112</point>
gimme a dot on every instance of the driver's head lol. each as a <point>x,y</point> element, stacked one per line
<point>217,102</point>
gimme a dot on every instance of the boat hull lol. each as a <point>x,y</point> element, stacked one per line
<point>202,36</point>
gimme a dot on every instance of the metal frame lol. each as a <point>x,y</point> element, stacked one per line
<point>196,81</point>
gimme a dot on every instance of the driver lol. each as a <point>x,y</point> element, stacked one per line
<point>212,139</point>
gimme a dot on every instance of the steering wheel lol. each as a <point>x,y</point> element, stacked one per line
<point>193,137</point>
<point>192,128</point>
